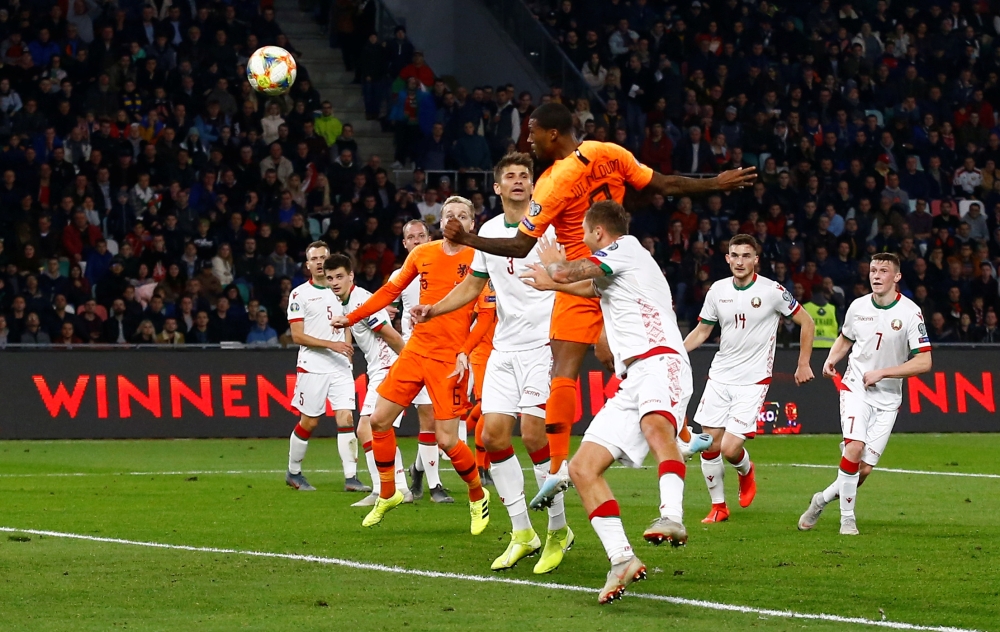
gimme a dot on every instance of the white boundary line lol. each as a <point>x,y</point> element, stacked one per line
<point>238,472</point>
<point>398,570</point>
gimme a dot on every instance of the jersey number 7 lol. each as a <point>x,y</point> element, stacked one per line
<point>601,193</point>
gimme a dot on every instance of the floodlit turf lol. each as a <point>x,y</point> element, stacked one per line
<point>928,553</point>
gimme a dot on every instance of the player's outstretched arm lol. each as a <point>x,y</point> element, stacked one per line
<point>725,181</point>
<point>464,293</point>
<point>841,347</point>
<point>697,336</point>
<point>382,298</point>
<point>920,363</point>
<point>300,337</point>
<point>538,278</point>
<point>518,246</point>
<point>807,331</point>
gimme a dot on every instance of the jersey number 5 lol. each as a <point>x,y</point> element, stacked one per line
<point>329,312</point>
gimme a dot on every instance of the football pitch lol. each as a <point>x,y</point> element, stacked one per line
<point>204,535</point>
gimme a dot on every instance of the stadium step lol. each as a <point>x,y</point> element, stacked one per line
<point>326,70</point>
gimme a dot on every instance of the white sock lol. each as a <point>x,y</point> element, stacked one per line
<point>372,468</point>
<point>743,467</point>
<point>400,472</point>
<point>557,511</point>
<point>714,472</point>
<point>672,497</point>
<point>429,455</point>
<point>509,481</point>
<point>418,462</point>
<point>463,432</point>
<point>296,452</point>
<point>833,491</point>
<point>612,535</point>
<point>347,445</point>
<point>848,493</point>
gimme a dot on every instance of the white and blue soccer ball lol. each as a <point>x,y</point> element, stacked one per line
<point>271,70</point>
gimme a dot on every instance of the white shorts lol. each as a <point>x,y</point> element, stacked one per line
<point>371,396</point>
<point>863,422</point>
<point>730,406</point>
<point>517,382</point>
<point>314,390</point>
<point>658,384</point>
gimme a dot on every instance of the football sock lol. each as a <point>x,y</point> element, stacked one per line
<point>557,510</point>
<point>427,448</point>
<point>400,472</point>
<point>465,465</point>
<point>509,481</point>
<point>743,464</point>
<point>482,457</point>
<point>384,448</point>
<point>298,443</point>
<point>833,491</point>
<point>672,490</point>
<point>347,445</point>
<point>714,471</point>
<point>560,410</point>
<point>684,434</point>
<point>607,522</point>
<point>370,461</point>
<point>848,476</point>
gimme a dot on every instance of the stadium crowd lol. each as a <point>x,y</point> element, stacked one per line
<point>148,195</point>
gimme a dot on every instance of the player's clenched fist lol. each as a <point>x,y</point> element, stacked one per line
<point>454,231</point>
<point>829,369</point>
<point>736,178</point>
<point>340,322</point>
<point>421,313</point>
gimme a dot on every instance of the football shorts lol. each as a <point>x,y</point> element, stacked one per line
<point>732,407</point>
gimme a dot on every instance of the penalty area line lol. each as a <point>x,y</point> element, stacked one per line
<point>398,570</point>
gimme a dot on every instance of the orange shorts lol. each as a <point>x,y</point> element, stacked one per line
<point>576,319</point>
<point>478,375</point>
<point>411,372</point>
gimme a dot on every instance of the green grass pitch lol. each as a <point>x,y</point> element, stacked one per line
<point>927,556</point>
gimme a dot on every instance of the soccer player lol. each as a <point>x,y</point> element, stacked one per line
<point>748,308</point>
<point>887,340</point>
<point>415,232</point>
<point>475,354</point>
<point>581,174</point>
<point>381,345</point>
<point>517,375</point>
<point>647,411</point>
<point>324,373</point>
<point>427,360</point>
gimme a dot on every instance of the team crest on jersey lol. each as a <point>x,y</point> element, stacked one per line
<point>613,246</point>
<point>534,209</point>
<point>755,302</point>
<point>294,307</point>
<point>786,295</point>
<point>896,324</point>
<point>463,269</point>
<point>922,329</point>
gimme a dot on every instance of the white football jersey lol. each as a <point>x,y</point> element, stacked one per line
<point>408,299</point>
<point>883,337</point>
<point>749,319</point>
<point>315,307</point>
<point>636,303</point>
<point>523,313</point>
<point>378,354</point>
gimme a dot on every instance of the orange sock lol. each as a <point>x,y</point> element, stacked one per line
<point>482,456</point>
<point>559,413</point>
<point>384,447</point>
<point>684,433</point>
<point>465,465</point>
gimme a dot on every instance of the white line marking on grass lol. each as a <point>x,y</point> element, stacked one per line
<point>887,469</point>
<point>398,570</point>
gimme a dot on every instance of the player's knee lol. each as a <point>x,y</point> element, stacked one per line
<point>446,439</point>
<point>494,441</point>
<point>854,450</point>
<point>733,451</point>
<point>581,472</point>
<point>380,423</point>
<point>309,423</point>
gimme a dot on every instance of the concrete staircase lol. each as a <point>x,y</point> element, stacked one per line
<point>326,70</point>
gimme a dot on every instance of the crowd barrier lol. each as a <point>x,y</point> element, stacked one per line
<point>133,393</point>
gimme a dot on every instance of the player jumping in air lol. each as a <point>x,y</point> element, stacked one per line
<point>517,374</point>
<point>648,410</point>
<point>887,339</point>
<point>324,372</point>
<point>581,174</point>
<point>427,360</point>
<point>748,308</point>
<point>381,345</point>
<point>427,462</point>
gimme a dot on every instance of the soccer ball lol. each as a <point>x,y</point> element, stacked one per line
<point>271,70</point>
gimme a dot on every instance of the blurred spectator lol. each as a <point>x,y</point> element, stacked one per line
<point>261,334</point>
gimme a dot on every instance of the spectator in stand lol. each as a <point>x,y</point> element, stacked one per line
<point>418,70</point>
<point>262,334</point>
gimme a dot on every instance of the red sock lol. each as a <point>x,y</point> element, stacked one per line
<point>482,456</point>
<point>559,413</point>
<point>302,433</point>
<point>540,456</point>
<point>384,445</point>
<point>465,465</point>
